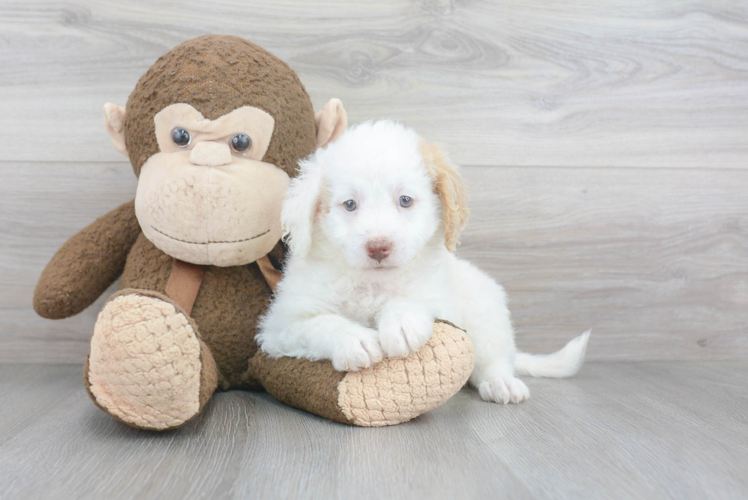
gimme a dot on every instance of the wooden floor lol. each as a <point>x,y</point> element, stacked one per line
<point>617,430</point>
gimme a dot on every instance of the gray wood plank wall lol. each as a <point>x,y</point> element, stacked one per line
<point>605,145</point>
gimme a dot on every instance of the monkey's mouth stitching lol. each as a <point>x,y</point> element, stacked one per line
<point>208,242</point>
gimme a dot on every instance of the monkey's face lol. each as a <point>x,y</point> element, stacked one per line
<point>206,197</point>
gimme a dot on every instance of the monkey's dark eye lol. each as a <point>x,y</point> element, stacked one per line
<point>180,137</point>
<point>406,201</point>
<point>350,205</point>
<point>241,143</point>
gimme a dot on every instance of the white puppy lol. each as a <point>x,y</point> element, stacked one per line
<point>372,221</point>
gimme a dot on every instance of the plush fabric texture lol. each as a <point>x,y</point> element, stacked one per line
<point>399,389</point>
<point>247,119</point>
<point>271,273</point>
<point>210,154</point>
<point>332,120</point>
<point>87,264</point>
<point>184,282</point>
<point>216,75</point>
<point>224,216</point>
<point>308,385</point>
<point>152,364</point>
<point>226,308</point>
<point>392,392</point>
<point>147,366</point>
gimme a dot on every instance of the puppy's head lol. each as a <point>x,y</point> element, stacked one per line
<point>378,195</point>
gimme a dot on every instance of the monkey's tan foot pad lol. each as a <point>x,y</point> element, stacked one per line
<point>147,367</point>
<point>394,391</point>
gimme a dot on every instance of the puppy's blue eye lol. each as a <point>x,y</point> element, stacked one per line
<point>350,205</point>
<point>406,201</point>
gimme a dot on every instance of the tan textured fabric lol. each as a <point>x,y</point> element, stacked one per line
<point>224,216</point>
<point>391,392</point>
<point>145,363</point>
<point>226,308</point>
<point>184,283</point>
<point>400,389</point>
<point>114,123</point>
<point>271,274</point>
<point>332,120</point>
<point>210,154</point>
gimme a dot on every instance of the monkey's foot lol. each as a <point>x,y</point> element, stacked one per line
<point>147,366</point>
<point>391,392</point>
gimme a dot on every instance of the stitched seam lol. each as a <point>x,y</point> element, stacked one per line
<point>209,242</point>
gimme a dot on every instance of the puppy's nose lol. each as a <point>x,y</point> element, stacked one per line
<point>210,154</point>
<point>378,249</point>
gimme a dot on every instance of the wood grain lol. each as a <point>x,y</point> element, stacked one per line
<point>605,145</point>
<point>654,260</point>
<point>617,430</point>
<point>535,83</point>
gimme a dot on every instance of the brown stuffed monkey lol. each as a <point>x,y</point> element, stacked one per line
<point>214,130</point>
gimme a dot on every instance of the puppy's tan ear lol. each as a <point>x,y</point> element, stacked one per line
<point>448,184</point>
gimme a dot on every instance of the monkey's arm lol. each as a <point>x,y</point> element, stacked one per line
<point>85,266</point>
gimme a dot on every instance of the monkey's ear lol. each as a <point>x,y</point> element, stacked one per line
<point>303,201</point>
<point>114,123</point>
<point>448,184</point>
<point>332,121</point>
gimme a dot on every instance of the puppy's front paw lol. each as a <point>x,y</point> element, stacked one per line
<point>405,333</point>
<point>356,349</point>
<point>504,390</point>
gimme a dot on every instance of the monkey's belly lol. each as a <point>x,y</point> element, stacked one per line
<point>226,310</point>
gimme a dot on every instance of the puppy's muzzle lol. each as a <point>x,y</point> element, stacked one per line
<point>378,249</point>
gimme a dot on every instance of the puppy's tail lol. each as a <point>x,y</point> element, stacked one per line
<point>560,364</point>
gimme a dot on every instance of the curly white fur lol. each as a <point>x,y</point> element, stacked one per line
<point>339,300</point>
